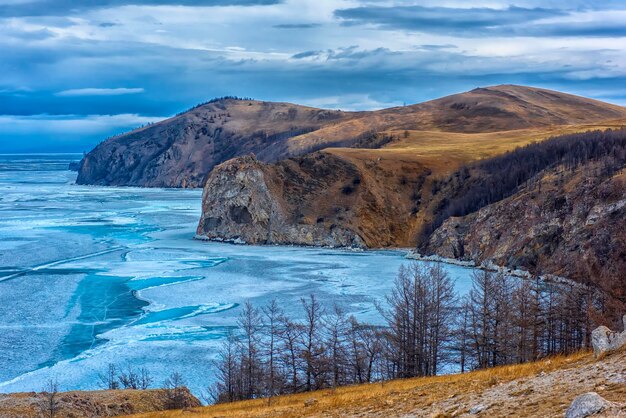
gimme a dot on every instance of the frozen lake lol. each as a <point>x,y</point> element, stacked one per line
<point>97,275</point>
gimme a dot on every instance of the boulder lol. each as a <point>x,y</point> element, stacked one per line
<point>586,405</point>
<point>477,409</point>
<point>605,341</point>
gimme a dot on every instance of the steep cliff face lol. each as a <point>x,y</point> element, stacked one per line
<point>248,201</point>
<point>319,199</point>
<point>570,223</point>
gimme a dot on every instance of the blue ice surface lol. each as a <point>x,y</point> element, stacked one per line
<point>159,281</point>
<point>111,275</point>
<point>105,303</point>
<point>182,312</point>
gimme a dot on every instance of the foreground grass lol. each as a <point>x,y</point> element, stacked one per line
<point>392,398</point>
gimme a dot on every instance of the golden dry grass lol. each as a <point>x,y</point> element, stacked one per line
<point>446,151</point>
<point>399,396</point>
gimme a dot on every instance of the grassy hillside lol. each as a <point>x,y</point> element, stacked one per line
<point>85,404</point>
<point>541,389</point>
<point>181,151</point>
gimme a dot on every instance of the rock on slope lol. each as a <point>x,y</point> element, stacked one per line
<point>181,151</point>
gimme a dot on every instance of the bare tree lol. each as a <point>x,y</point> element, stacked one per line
<point>175,392</point>
<point>50,406</point>
<point>145,379</point>
<point>335,340</point>
<point>273,383</point>
<point>311,349</point>
<point>251,323</point>
<point>227,389</point>
<point>290,335</point>
<point>109,379</point>
<point>129,379</point>
<point>420,317</point>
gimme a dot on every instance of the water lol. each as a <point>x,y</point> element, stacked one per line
<point>97,275</point>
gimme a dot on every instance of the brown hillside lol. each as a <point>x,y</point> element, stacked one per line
<point>386,209</point>
<point>181,151</point>
<point>86,404</point>
<point>542,389</point>
<point>491,109</point>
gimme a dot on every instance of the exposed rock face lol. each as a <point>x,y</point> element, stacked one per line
<point>320,199</point>
<point>605,341</point>
<point>245,201</point>
<point>570,224</point>
<point>586,405</point>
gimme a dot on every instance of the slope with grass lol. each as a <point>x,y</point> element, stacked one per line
<point>181,151</point>
<point>86,404</point>
<point>542,389</point>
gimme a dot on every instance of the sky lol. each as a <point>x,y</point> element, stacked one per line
<point>74,72</point>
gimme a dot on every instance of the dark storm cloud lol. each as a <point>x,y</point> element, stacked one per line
<point>65,7</point>
<point>580,29</point>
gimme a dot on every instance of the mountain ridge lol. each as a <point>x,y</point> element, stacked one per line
<point>182,150</point>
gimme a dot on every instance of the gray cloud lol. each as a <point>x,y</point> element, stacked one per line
<point>472,21</point>
<point>118,91</point>
<point>65,7</point>
<point>481,22</point>
<point>297,26</point>
<point>102,58</point>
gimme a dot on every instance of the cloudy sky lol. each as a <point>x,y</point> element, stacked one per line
<point>74,72</point>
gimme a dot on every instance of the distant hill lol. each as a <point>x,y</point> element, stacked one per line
<point>181,151</point>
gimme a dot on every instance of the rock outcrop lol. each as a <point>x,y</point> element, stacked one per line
<point>605,341</point>
<point>320,199</point>
<point>570,223</point>
<point>245,201</point>
<point>586,405</point>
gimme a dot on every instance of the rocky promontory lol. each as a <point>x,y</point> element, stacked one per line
<point>319,199</point>
<point>248,201</point>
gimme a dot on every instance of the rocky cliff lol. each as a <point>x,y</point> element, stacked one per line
<point>569,222</point>
<point>318,199</point>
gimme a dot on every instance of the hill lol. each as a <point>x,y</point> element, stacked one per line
<point>278,173</point>
<point>86,404</point>
<point>541,389</point>
<point>181,151</point>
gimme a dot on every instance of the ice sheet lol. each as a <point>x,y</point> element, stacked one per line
<point>93,275</point>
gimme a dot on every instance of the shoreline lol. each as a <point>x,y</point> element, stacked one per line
<point>410,253</point>
<point>413,254</point>
<point>492,267</point>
